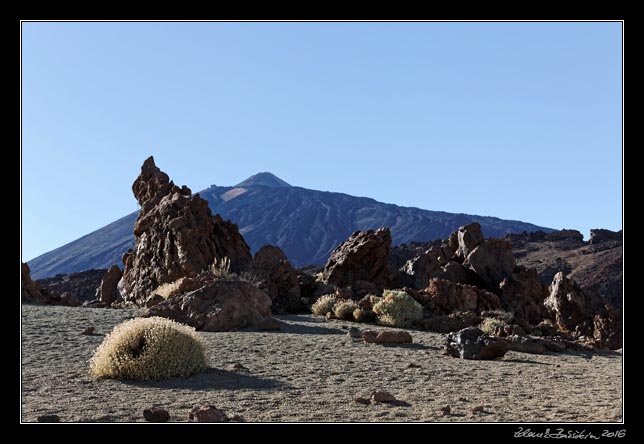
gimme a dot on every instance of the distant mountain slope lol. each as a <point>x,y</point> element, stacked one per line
<point>306,224</point>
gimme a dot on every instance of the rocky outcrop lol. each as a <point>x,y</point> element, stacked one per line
<point>472,343</point>
<point>583,315</point>
<point>82,284</point>
<point>597,266</point>
<point>469,237</point>
<point>175,236</point>
<point>523,295</point>
<point>362,257</point>
<point>278,279</point>
<point>492,260</point>
<point>220,305</point>
<point>443,297</point>
<point>600,235</point>
<point>107,291</point>
<point>31,292</point>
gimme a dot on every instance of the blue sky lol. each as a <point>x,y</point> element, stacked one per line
<point>515,120</point>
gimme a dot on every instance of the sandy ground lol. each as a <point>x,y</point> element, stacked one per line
<point>311,371</point>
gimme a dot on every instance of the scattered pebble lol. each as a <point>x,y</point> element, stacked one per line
<point>354,333</point>
<point>446,410</point>
<point>156,414</point>
<point>413,365</point>
<point>382,396</point>
<point>207,413</point>
<point>236,418</point>
<point>48,418</point>
<point>478,409</point>
<point>360,400</point>
<point>88,331</point>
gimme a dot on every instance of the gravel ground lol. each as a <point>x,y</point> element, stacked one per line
<point>312,371</point>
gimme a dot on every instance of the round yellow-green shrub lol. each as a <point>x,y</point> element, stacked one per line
<point>397,309</point>
<point>344,310</point>
<point>324,305</point>
<point>149,348</point>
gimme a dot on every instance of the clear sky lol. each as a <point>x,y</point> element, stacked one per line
<point>514,120</point>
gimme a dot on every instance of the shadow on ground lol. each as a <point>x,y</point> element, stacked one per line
<point>217,379</point>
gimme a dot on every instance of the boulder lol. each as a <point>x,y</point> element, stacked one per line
<point>220,305</point>
<point>207,413</point>
<point>362,257</point>
<point>156,414</point>
<point>472,343</point>
<point>584,315</point>
<point>83,284</point>
<point>279,279</point>
<point>107,292</point>
<point>469,237</point>
<point>69,299</point>
<point>443,297</point>
<point>421,269</point>
<point>382,396</point>
<point>493,261</point>
<point>175,235</point>
<point>387,337</point>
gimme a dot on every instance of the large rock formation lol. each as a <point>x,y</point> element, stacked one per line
<point>107,292</point>
<point>31,292</point>
<point>600,235</point>
<point>583,315</point>
<point>175,236</point>
<point>443,297</point>
<point>278,279</point>
<point>218,306</point>
<point>362,257</point>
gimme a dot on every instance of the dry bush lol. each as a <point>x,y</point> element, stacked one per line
<point>397,309</point>
<point>168,289</point>
<point>344,310</point>
<point>493,326</point>
<point>221,268</point>
<point>149,348</point>
<point>362,315</point>
<point>324,305</point>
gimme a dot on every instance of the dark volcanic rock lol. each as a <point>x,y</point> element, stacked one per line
<point>492,260</point>
<point>107,291</point>
<point>471,343</point>
<point>449,323</point>
<point>82,285</point>
<point>583,315</point>
<point>362,257</point>
<point>600,235</point>
<point>279,279</point>
<point>207,413</point>
<point>175,236</point>
<point>219,306</point>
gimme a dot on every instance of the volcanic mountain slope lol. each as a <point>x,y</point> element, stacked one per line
<point>306,224</point>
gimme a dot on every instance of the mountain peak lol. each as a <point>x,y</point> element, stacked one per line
<point>264,179</point>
